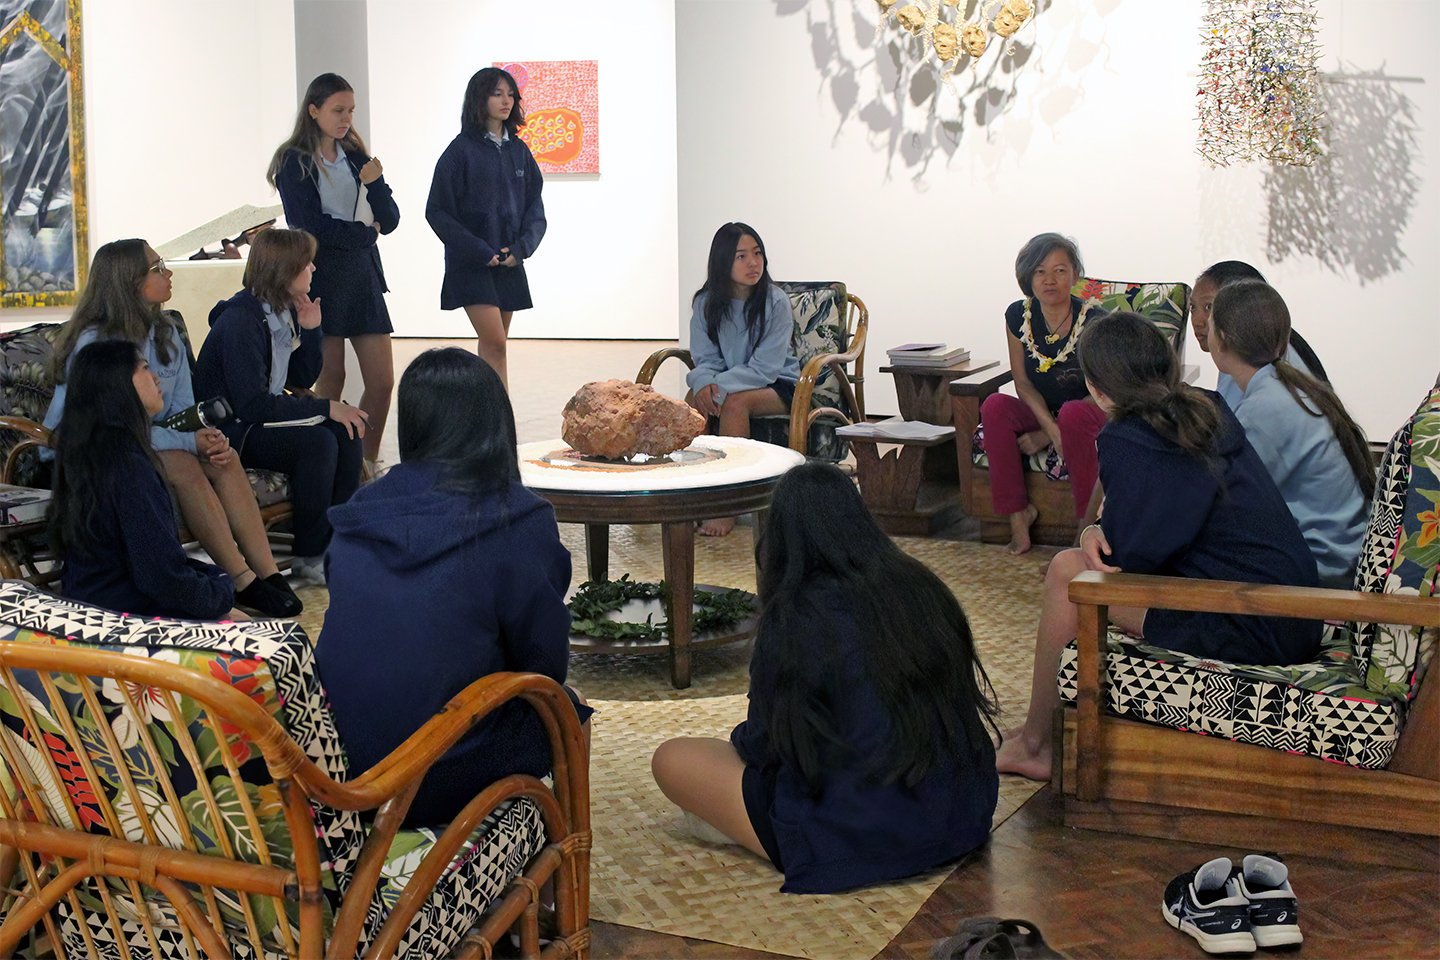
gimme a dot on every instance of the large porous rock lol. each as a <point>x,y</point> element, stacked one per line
<point>617,418</point>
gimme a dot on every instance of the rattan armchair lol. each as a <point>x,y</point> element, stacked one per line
<point>252,845</point>
<point>831,326</point>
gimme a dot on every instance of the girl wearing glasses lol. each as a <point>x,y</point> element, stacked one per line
<point>335,191</point>
<point>121,301</point>
<point>262,340</point>
<point>485,207</point>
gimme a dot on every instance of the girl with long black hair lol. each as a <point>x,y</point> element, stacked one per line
<point>485,206</point>
<point>442,571</point>
<point>866,755</point>
<point>1185,496</point>
<point>110,514</point>
<point>741,327</point>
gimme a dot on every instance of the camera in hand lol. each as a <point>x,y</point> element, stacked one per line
<point>206,413</point>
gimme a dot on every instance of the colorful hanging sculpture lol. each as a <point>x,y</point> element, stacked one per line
<point>1258,95</point>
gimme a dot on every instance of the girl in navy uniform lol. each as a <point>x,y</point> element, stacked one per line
<point>334,190</point>
<point>485,206</point>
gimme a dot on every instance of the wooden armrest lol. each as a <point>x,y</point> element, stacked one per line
<point>301,392</point>
<point>651,366</point>
<point>980,383</point>
<point>29,428</point>
<point>1223,596</point>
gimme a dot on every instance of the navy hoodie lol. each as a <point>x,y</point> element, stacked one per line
<point>485,197</point>
<point>430,590</point>
<point>234,363</point>
<point>1169,513</point>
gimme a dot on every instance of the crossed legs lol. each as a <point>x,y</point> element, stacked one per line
<point>735,414</point>
<point>1027,749</point>
<point>702,775</point>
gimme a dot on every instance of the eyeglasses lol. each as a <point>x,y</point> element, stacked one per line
<point>157,267</point>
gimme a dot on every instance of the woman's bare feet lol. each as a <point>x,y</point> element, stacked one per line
<point>1020,523</point>
<point>718,527</point>
<point>1017,756</point>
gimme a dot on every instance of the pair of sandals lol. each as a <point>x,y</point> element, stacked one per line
<point>992,938</point>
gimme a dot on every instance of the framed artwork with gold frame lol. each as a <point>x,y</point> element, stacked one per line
<point>43,215</point>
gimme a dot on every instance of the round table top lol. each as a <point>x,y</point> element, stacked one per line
<point>708,462</point>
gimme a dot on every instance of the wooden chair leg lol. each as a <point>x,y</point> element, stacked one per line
<point>1418,752</point>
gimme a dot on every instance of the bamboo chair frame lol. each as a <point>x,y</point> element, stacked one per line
<point>54,858</point>
<point>852,383</point>
<point>1121,775</point>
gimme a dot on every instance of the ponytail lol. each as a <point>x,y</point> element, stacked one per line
<point>1318,400</point>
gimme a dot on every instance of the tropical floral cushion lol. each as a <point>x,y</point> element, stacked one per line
<point>219,777</point>
<point>1349,704</point>
<point>1167,305</point>
<point>821,317</point>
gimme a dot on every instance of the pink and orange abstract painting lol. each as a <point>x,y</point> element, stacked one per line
<point>561,99</point>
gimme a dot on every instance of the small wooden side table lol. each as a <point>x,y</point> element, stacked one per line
<point>895,488</point>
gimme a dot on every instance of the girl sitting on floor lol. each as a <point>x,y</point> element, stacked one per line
<point>866,755</point>
<point>445,570</point>
<point>740,330</point>
<point>1315,453</point>
<point>110,515</point>
<point>1185,496</point>
<point>262,340</point>
<point>122,301</point>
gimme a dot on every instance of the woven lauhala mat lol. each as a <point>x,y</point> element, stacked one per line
<point>648,872</point>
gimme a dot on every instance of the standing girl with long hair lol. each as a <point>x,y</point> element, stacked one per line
<point>262,340</point>
<point>121,301</point>
<point>866,755</point>
<point>485,207</point>
<point>1185,496</point>
<point>110,515</point>
<point>334,190</point>
<point>741,327</point>
<point>1316,454</point>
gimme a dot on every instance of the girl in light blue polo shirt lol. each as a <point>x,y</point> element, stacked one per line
<point>1316,454</point>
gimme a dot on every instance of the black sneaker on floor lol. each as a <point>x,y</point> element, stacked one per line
<point>269,600</point>
<point>1274,914</point>
<point>1207,904</point>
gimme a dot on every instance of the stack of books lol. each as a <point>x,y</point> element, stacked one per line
<point>22,504</point>
<point>926,355</point>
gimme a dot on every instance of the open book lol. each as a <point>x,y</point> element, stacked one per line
<point>896,429</point>
<point>314,421</point>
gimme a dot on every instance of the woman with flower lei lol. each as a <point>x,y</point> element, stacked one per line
<point>1051,408</point>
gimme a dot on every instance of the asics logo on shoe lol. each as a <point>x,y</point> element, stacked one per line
<point>1280,918</point>
<point>1236,924</point>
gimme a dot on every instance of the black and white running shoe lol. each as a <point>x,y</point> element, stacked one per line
<point>1274,915</point>
<point>1208,904</point>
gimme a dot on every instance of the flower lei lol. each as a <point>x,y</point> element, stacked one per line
<point>1027,337</point>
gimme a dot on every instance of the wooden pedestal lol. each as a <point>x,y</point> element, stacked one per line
<point>895,487</point>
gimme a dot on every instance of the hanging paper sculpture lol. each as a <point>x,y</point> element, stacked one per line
<point>1259,93</point>
<point>943,28</point>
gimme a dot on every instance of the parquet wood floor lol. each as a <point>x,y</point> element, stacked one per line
<point>1097,895</point>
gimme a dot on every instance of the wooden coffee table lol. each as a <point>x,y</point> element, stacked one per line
<point>739,480</point>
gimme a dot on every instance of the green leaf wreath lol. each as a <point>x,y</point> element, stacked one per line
<point>597,599</point>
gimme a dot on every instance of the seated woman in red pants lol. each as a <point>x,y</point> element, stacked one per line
<point>1051,407</point>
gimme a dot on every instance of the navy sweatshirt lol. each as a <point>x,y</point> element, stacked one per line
<point>860,831</point>
<point>136,564</point>
<point>1169,513</point>
<point>346,247</point>
<point>235,362</point>
<point>484,197</point>
<point>430,590</point>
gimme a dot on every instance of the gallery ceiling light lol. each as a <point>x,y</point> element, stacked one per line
<point>956,31</point>
<point>1259,89</point>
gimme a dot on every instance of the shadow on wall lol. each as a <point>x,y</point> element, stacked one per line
<point>895,88</point>
<point>1349,211</point>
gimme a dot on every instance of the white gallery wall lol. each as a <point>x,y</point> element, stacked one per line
<point>607,266</point>
<point>793,119</point>
<point>185,100</point>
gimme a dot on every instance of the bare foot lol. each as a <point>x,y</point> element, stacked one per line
<point>1020,523</point>
<point>1015,756</point>
<point>718,527</point>
<point>1013,733</point>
